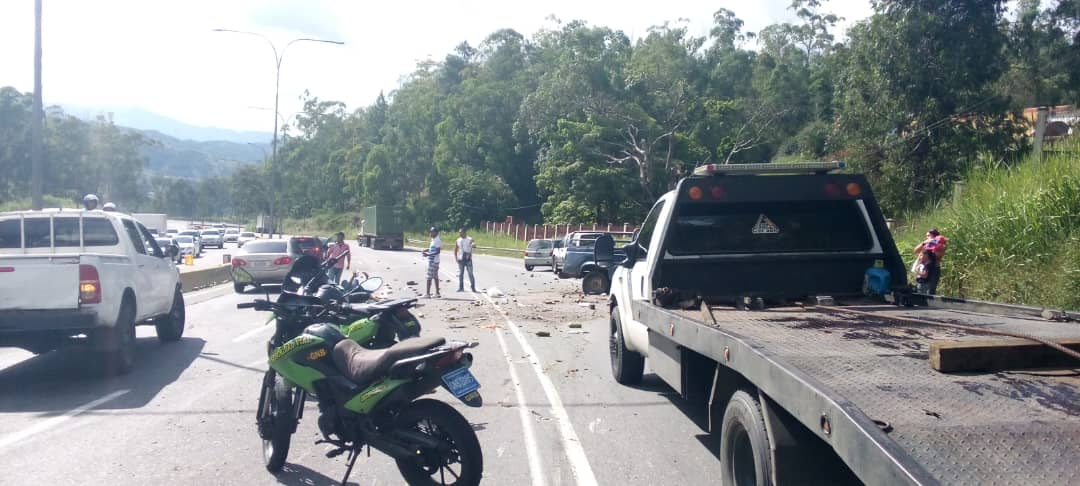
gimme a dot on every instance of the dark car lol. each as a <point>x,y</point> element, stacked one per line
<point>307,245</point>
<point>577,248</point>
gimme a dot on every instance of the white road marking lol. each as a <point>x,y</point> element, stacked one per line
<point>53,422</point>
<point>252,332</point>
<point>575,453</point>
<point>536,469</point>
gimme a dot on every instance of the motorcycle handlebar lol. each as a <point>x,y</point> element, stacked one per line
<point>245,305</point>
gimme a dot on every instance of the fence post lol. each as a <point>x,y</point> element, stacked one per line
<point>624,225</point>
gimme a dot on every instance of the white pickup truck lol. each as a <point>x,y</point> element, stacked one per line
<point>85,276</point>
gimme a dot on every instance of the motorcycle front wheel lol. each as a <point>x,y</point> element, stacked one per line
<point>458,459</point>
<point>278,410</point>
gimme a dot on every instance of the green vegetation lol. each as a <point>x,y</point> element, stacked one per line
<point>1014,232</point>
<point>481,239</point>
<point>47,201</point>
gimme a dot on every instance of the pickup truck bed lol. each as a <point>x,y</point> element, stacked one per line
<point>1015,427</point>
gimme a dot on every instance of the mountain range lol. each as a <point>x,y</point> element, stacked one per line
<point>183,150</point>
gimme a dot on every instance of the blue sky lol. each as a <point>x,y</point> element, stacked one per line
<point>162,56</point>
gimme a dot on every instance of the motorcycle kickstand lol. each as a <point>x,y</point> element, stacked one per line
<point>353,454</point>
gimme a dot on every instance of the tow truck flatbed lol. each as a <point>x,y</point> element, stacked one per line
<point>863,384</point>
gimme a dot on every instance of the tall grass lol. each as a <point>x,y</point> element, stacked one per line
<point>1014,232</point>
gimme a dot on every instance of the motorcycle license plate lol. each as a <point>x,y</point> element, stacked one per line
<point>460,382</point>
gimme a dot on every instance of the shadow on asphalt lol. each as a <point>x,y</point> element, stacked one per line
<point>66,378</point>
<point>297,475</point>
<point>698,412</point>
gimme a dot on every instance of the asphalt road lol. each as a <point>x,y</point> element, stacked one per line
<point>552,413</point>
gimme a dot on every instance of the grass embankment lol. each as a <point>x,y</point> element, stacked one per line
<point>1014,232</point>
<point>481,238</point>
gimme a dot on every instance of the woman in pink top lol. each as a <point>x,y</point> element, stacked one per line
<point>337,250</point>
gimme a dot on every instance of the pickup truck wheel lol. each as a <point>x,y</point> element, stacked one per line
<point>744,443</point>
<point>627,366</point>
<point>529,268</point>
<point>595,283</point>
<point>119,358</point>
<point>171,327</point>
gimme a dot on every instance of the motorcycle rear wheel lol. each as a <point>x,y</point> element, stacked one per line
<point>459,461</point>
<point>278,406</point>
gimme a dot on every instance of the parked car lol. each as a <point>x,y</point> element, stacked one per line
<point>538,253</point>
<point>577,248</point>
<point>307,245</point>
<point>188,245</point>
<point>232,235</point>
<point>245,237</point>
<point>87,277</point>
<point>172,232</point>
<point>194,234</point>
<point>268,261</point>
<point>212,237</point>
<point>169,246</point>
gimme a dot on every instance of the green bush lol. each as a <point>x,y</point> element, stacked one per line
<point>47,201</point>
<point>1014,232</point>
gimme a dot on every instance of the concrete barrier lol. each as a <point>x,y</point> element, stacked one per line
<point>197,279</point>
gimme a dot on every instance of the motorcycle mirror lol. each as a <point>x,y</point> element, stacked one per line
<point>372,284</point>
<point>239,275</point>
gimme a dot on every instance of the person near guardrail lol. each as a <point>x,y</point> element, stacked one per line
<point>432,255</point>
<point>338,250</point>
<point>463,251</point>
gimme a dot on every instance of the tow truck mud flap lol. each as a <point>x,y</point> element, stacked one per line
<point>665,359</point>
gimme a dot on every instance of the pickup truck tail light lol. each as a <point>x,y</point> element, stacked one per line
<point>238,262</point>
<point>285,260</point>
<point>89,285</point>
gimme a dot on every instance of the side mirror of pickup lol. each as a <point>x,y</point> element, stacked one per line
<point>631,250</point>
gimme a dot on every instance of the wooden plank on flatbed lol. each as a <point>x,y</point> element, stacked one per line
<point>998,355</point>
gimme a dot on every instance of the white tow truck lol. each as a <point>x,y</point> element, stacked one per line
<point>772,298</point>
<point>85,276</point>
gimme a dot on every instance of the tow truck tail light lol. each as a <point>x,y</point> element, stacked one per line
<point>717,192</point>
<point>89,285</point>
<point>285,260</point>
<point>854,189</point>
<point>832,190</point>
<point>238,262</point>
<point>695,193</point>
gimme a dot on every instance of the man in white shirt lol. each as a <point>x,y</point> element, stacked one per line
<point>432,255</point>
<point>463,250</point>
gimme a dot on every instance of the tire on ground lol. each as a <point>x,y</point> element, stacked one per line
<point>627,366</point>
<point>744,443</point>
<point>115,346</point>
<point>171,327</point>
<point>452,424</point>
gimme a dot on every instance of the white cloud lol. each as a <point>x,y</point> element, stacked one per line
<point>162,56</point>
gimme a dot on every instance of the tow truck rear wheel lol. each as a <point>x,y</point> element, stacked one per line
<point>744,443</point>
<point>627,366</point>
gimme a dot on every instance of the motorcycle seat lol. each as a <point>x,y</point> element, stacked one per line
<point>363,366</point>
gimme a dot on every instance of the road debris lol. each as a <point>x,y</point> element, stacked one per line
<point>543,334</point>
<point>575,325</point>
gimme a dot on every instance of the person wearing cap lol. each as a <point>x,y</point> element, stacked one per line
<point>935,243</point>
<point>90,202</point>
<point>463,249</point>
<point>432,255</point>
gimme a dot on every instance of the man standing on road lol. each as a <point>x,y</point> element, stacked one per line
<point>432,255</point>
<point>340,250</point>
<point>463,254</point>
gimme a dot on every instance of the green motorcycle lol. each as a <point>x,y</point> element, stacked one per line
<point>368,397</point>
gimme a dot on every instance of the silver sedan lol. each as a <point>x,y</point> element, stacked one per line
<point>267,261</point>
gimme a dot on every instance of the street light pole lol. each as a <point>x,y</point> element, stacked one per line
<point>277,91</point>
<point>38,125</point>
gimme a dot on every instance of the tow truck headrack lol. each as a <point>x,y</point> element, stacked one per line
<point>770,168</point>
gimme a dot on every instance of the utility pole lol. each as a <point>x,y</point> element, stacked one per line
<point>38,123</point>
